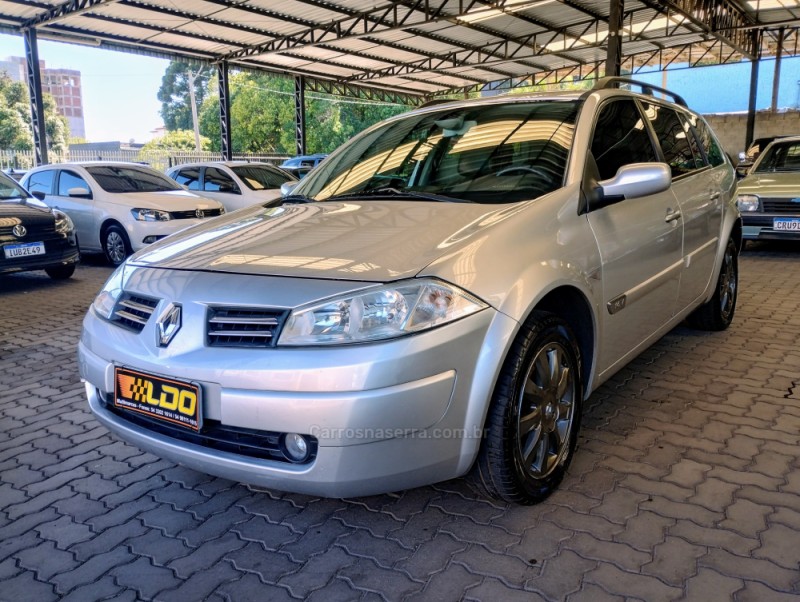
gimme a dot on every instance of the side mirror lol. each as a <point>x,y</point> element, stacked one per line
<point>742,156</point>
<point>38,194</point>
<point>636,180</point>
<point>80,193</point>
<point>288,187</point>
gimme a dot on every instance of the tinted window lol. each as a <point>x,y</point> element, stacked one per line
<point>118,179</point>
<point>710,145</point>
<point>699,161</point>
<point>218,181</point>
<point>188,177</point>
<point>41,181</point>
<point>673,139</point>
<point>9,189</point>
<point>500,153</point>
<point>620,138</point>
<point>261,177</point>
<point>68,180</point>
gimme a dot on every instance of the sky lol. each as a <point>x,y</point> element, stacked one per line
<point>119,89</point>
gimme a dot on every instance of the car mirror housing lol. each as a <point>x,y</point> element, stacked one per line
<point>80,192</point>
<point>38,194</point>
<point>637,180</point>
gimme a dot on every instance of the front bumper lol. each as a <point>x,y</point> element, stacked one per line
<point>138,231</point>
<point>387,416</point>
<point>757,226</point>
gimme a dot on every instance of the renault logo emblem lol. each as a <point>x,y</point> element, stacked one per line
<point>200,214</point>
<point>19,230</point>
<point>169,324</point>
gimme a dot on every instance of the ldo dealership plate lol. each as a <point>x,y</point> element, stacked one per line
<point>174,401</point>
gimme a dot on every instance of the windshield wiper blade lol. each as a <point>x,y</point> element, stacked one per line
<point>388,192</point>
<point>296,198</point>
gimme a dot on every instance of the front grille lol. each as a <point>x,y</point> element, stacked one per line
<point>265,445</point>
<point>192,213</point>
<point>133,311</point>
<point>244,327</point>
<point>780,206</point>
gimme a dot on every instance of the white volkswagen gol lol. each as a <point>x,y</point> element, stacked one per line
<point>118,208</point>
<point>441,295</point>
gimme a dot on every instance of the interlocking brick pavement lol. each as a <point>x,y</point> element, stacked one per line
<point>686,485</point>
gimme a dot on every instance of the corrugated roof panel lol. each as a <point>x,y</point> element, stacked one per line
<point>460,34</point>
<point>240,39</point>
<point>14,9</point>
<point>409,39</point>
<point>376,50</point>
<point>558,14</point>
<point>191,43</point>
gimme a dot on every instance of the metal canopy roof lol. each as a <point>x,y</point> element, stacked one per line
<point>412,49</point>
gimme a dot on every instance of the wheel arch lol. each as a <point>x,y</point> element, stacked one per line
<point>106,224</point>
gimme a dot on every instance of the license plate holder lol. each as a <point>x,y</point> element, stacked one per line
<point>786,224</point>
<point>176,402</point>
<point>26,249</point>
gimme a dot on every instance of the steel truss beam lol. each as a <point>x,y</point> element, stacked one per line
<point>35,91</point>
<point>300,114</point>
<point>64,10</point>
<point>224,111</point>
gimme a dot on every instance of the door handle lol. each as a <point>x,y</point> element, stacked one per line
<point>715,196</point>
<point>672,215</point>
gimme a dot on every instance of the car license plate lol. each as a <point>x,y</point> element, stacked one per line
<point>174,401</point>
<point>23,250</point>
<point>791,224</point>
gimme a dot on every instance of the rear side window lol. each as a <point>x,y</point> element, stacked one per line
<point>189,178</point>
<point>68,180</point>
<point>710,145</point>
<point>41,181</point>
<point>673,138</point>
<point>620,138</point>
<point>218,181</point>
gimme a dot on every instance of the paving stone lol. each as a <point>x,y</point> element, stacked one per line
<point>384,552</point>
<point>64,532</point>
<point>103,589</point>
<point>160,548</point>
<point>714,537</point>
<point>688,474</point>
<point>446,584</point>
<point>367,576</point>
<point>710,585</point>
<point>493,589</point>
<point>481,511</point>
<point>46,560</point>
<point>120,514</point>
<point>91,570</point>
<point>674,561</point>
<point>206,556</point>
<point>540,542</point>
<point>9,547</point>
<point>95,487</point>
<point>620,554</point>
<point>108,540</point>
<point>746,518</point>
<point>623,583</point>
<point>492,537</point>
<point>769,498</point>
<point>677,510</point>
<point>315,540</point>
<point>620,505</point>
<point>318,571</point>
<point>780,545</point>
<point>145,578</point>
<point>169,520</point>
<point>134,492</point>
<point>431,557</point>
<point>657,488</point>
<point>511,570</point>
<point>216,526</point>
<point>757,592</point>
<point>561,575</point>
<point>269,567</point>
<point>593,593</point>
<point>750,569</point>
<point>787,517</point>
<point>250,588</point>
<point>202,583</point>
<point>24,587</point>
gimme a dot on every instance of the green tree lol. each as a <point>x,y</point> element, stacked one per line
<point>177,140</point>
<point>174,94</point>
<point>15,119</point>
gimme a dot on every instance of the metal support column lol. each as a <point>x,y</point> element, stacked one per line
<point>776,78</point>
<point>224,111</point>
<point>35,91</point>
<point>300,114</point>
<point>614,49</point>
<point>751,107</point>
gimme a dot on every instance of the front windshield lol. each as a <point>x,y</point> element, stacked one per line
<point>9,189</point>
<point>500,153</point>
<point>781,156</point>
<point>114,178</point>
<point>261,177</point>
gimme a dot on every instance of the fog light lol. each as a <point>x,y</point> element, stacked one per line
<point>151,239</point>
<point>296,447</point>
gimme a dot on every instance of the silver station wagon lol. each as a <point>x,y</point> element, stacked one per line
<point>437,299</point>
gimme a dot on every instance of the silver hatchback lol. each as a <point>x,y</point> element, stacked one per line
<point>438,298</point>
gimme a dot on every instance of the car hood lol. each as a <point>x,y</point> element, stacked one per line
<point>367,241</point>
<point>772,184</point>
<point>172,200</point>
<point>25,213</point>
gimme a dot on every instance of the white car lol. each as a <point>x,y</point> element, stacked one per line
<point>118,208</point>
<point>235,184</point>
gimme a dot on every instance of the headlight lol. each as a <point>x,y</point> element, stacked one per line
<point>64,224</point>
<point>380,313</point>
<point>150,215</point>
<point>106,300</point>
<point>747,202</point>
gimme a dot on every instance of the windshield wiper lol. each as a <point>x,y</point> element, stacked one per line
<point>296,198</point>
<point>393,193</point>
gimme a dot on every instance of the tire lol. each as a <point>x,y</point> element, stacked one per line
<point>717,313</point>
<point>116,245</point>
<point>534,417</point>
<point>61,272</point>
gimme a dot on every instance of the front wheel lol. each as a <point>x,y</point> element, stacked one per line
<point>115,245</point>
<point>60,272</point>
<point>717,313</point>
<point>534,417</point>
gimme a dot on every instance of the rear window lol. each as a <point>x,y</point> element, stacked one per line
<point>781,156</point>
<point>117,179</point>
<point>260,177</point>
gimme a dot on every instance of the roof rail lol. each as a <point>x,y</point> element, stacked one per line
<point>614,82</point>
